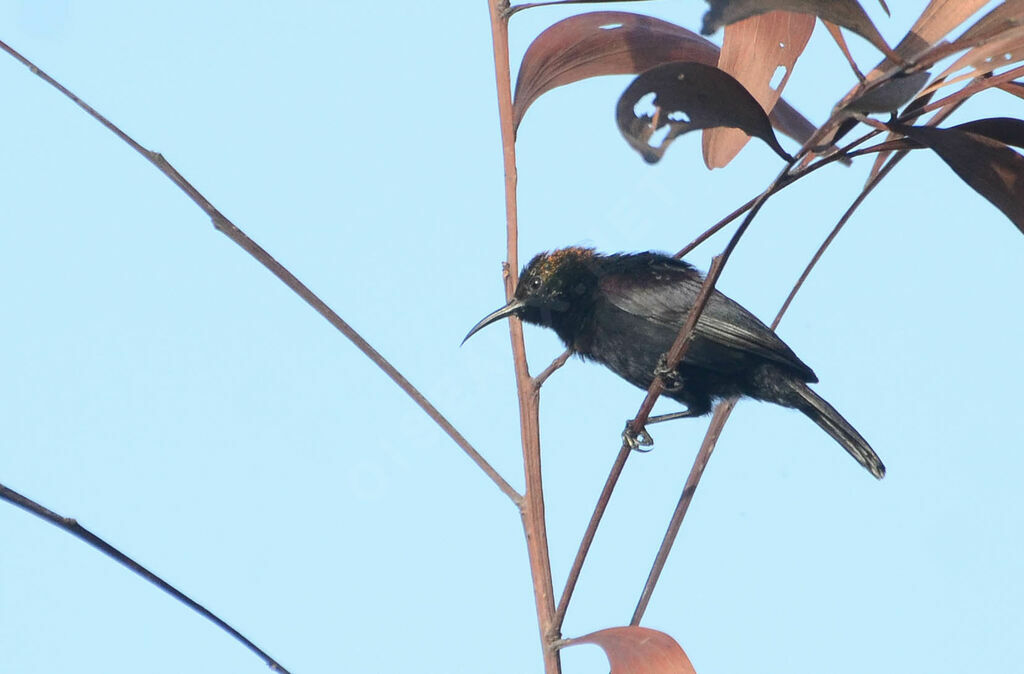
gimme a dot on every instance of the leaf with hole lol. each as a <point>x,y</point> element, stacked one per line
<point>987,57</point>
<point>686,97</point>
<point>603,43</point>
<point>619,43</point>
<point>981,159</point>
<point>846,13</point>
<point>638,650</point>
<point>760,53</point>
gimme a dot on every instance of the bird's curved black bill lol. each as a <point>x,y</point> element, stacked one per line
<point>510,309</point>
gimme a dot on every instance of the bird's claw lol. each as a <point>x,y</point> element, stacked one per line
<point>670,379</point>
<point>636,439</point>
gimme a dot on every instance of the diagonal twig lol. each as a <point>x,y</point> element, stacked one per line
<point>723,410</point>
<point>225,226</point>
<point>707,446</point>
<point>77,530</point>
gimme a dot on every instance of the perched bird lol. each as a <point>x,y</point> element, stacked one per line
<point>625,310</point>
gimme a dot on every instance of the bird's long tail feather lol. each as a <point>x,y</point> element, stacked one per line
<point>833,423</point>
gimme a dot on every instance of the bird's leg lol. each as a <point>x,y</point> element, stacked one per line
<point>638,439</point>
<point>697,405</point>
<point>685,414</point>
<point>670,378</point>
<point>643,438</point>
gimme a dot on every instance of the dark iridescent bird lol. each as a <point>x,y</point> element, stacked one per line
<point>625,310</point>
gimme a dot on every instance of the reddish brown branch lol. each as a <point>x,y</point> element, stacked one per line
<point>558,362</point>
<point>674,356</point>
<point>721,415</point>
<point>532,506</point>
<point>725,409</point>
<point>591,531</point>
<point>224,225</point>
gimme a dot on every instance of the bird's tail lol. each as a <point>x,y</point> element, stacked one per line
<point>823,414</point>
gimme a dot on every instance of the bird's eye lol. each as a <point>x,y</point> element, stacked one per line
<point>535,283</point>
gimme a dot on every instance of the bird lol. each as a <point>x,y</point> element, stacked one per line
<point>624,310</point>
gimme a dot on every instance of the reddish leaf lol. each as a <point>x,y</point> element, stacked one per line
<point>619,43</point>
<point>752,51</point>
<point>639,650</point>
<point>1005,17</point>
<point>987,57</point>
<point>846,13</point>
<point>689,96</point>
<point>603,43</point>
<point>936,21</point>
<point>989,166</point>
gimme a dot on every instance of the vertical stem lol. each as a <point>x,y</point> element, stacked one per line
<point>532,508</point>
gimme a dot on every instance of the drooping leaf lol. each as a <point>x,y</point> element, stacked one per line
<point>686,97</point>
<point>790,122</point>
<point>1003,129</point>
<point>620,43</point>
<point>753,50</point>
<point>639,650</point>
<point>987,165</point>
<point>846,13</point>
<point>603,43</point>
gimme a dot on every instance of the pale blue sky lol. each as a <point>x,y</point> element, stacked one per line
<point>169,393</point>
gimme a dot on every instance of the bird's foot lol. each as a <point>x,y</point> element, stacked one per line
<point>670,377</point>
<point>636,439</point>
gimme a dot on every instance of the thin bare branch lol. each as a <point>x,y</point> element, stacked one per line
<point>714,431</point>
<point>532,506</point>
<point>683,340</point>
<point>558,362</point>
<point>78,531</point>
<point>725,409</point>
<point>840,41</point>
<point>979,84</point>
<point>715,228</point>
<point>591,531</point>
<point>783,180</point>
<point>624,451</point>
<point>868,188</point>
<point>225,226</point>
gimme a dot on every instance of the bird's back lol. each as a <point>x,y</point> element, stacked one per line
<point>643,301</point>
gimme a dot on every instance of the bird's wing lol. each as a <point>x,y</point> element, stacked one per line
<point>666,294</point>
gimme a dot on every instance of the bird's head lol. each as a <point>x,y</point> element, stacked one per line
<point>555,290</point>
